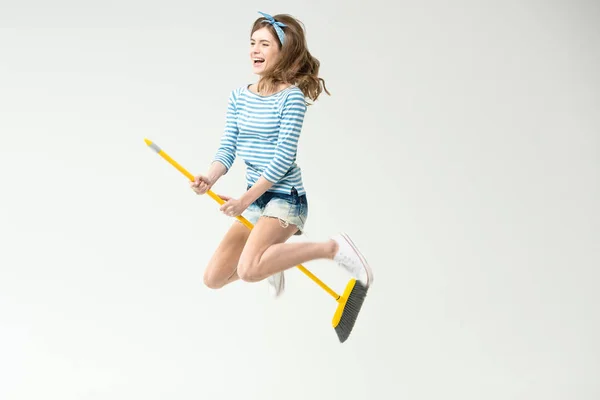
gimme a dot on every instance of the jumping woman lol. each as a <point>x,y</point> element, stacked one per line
<point>263,125</point>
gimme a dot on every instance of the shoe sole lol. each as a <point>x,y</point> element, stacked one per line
<point>362,258</point>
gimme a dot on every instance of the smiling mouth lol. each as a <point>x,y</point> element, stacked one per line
<point>258,61</point>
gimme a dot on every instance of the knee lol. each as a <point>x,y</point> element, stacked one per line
<point>212,280</point>
<point>248,272</point>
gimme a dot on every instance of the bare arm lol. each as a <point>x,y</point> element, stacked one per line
<point>261,186</point>
<point>216,171</point>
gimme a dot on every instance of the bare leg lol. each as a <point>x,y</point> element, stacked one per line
<point>266,252</point>
<point>222,267</point>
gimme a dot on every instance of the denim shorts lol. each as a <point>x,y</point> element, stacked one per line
<point>288,208</point>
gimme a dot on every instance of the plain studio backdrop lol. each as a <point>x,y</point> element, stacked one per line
<point>459,148</point>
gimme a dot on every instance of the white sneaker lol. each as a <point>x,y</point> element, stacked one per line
<point>276,284</point>
<point>349,257</point>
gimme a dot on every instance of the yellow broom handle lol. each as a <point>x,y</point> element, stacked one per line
<point>243,220</point>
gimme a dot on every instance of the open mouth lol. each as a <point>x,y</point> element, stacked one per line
<point>258,61</point>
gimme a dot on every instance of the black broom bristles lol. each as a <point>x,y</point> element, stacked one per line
<point>351,309</point>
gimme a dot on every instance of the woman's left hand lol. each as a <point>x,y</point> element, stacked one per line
<point>233,207</point>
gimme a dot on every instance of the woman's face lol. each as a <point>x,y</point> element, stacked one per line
<point>264,50</point>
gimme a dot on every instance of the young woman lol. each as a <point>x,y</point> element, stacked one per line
<point>263,125</point>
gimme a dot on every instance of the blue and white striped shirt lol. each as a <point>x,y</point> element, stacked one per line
<point>264,131</point>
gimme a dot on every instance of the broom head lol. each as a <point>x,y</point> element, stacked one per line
<point>349,305</point>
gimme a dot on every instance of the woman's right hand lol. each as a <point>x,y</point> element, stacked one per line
<point>201,184</point>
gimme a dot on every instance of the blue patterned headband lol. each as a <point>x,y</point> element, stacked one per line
<point>277,25</point>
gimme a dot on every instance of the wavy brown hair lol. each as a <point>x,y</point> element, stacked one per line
<point>295,64</point>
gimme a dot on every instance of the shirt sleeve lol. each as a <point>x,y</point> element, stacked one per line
<point>226,153</point>
<point>292,119</point>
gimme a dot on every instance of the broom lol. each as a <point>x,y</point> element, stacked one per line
<point>349,303</point>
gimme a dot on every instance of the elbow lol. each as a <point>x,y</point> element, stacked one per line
<point>278,168</point>
<point>270,177</point>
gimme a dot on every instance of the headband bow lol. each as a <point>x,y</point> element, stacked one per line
<point>276,24</point>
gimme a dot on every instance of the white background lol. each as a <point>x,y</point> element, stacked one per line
<point>460,149</point>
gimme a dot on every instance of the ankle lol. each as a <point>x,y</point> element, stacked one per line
<point>332,248</point>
